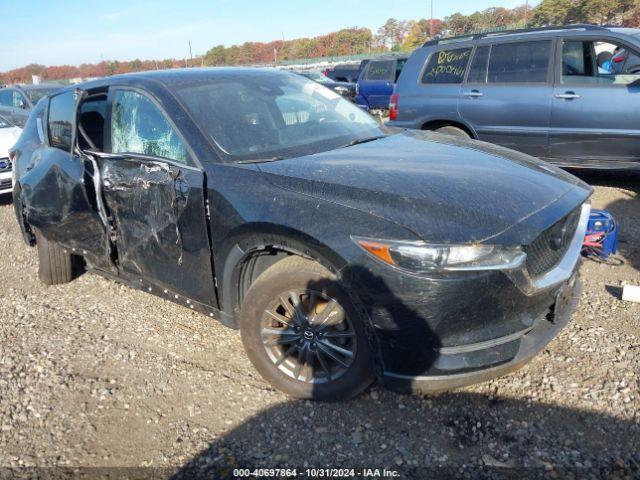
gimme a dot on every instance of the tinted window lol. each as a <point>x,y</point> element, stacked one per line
<point>382,70</point>
<point>61,112</point>
<point>598,63</point>
<point>478,68</point>
<point>138,126</point>
<point>526,62</point>
<point>269,116</point>
<point>6,98</point>
<point>577,59</point>
<point>399,66</point>
<point>447,66</point>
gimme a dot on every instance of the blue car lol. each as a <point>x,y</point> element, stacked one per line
<point>376,83</point>
<point>568,95</point>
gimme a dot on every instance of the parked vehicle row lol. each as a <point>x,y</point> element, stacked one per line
<point>343,250</point>
<point>377,81</point>
<point>16,101</point>
<point>374,81</point>
<point>345,89</point>
<point>9,133</point>
<point>347,72</point>
<point>568,95</point>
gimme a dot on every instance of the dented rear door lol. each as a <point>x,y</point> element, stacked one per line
<point>57,188</point>
<point>155,196</point>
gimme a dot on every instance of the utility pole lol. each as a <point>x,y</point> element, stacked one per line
<point>190,54</point>
<point>526,13</point>
<point>431,21</point>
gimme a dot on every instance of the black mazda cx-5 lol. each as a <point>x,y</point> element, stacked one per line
<point>343,251</point>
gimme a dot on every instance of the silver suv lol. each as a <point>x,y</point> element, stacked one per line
<point>569,95</point>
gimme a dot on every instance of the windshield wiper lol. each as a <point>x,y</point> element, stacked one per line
<point>362,140</point>
<point>260,160</point>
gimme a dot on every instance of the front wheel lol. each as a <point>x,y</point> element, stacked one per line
<point>303,334</point>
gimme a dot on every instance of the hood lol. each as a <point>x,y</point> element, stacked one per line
<point>443,188</point>
<point>8,137</point>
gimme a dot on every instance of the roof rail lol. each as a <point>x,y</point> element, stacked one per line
<point>497,33</point>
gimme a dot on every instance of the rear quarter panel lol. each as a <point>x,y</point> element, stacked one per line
<point>419,103</point>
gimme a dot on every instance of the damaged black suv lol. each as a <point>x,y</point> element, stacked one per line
<point>342,250</point>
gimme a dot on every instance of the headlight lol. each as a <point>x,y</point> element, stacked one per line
<point>424,257</point>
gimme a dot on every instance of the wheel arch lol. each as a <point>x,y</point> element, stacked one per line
<point>27,232</point>
<point>256,247</point>
<point>435,124</point>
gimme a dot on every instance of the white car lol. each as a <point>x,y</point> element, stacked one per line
<point>9,134</point>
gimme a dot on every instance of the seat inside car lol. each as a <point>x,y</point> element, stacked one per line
<point>93,124</point>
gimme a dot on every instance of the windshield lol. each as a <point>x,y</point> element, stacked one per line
<point>4,123</point>
<point>273,116</point>
<point>36,94</point>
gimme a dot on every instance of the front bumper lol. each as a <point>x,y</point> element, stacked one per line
<point>525,345</point>
<point>452,329</point>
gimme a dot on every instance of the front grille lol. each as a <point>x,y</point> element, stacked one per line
<point>546,251</point>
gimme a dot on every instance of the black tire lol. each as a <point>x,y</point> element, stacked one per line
<point>55,265</point>
<point>454,131</point>
<point>328,379</point>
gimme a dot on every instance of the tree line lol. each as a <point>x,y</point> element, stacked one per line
<point>394,35</point>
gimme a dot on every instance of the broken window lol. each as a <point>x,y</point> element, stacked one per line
<point>138,126</point>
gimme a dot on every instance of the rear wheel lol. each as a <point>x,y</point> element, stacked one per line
<point>454,131</point>
<point>303,334</point>
<point>55,265</point>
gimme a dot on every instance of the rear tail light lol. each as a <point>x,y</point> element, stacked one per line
<point>393,106</point>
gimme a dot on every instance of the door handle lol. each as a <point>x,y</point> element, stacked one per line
<point>473,94</point>
<point>567,96</point>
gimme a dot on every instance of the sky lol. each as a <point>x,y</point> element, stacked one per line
<point>71,32</point>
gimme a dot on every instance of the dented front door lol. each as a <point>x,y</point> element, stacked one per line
<point>153,190</point>
<point>158,216</point>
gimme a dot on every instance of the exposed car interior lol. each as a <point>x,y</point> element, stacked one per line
<point>92,118</point>
<point>597,62</point>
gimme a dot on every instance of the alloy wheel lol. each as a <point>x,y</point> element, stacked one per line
<point>308,336</point>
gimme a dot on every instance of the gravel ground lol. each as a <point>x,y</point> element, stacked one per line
<point>95,374</point>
